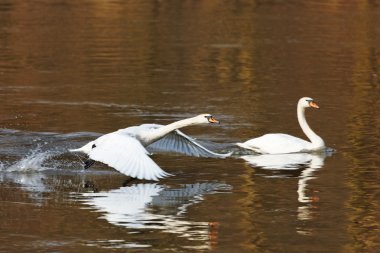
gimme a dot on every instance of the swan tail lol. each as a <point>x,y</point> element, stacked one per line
<point>85,149</point>
<point>76,150</point>
<point>79,150</point>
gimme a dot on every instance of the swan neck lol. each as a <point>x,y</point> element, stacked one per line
<point>164,130</point>
<point>313,137</point>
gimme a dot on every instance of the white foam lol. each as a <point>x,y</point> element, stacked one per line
<point>32,162</point>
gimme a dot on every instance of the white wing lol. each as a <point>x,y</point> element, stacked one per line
<point>175,141</point>
<point>179,142</point>
<point>127,155</point>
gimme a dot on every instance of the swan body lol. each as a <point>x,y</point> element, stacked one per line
<point>278,143</point>
<point>125,149</point>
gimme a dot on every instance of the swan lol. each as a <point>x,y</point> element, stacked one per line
<point>283,143</point>
<point>125,149</point>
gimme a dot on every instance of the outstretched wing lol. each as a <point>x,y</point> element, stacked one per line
<point>179,142</point>
<point>127,155</point>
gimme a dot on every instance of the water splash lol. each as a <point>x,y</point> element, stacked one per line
<point>32,162</point>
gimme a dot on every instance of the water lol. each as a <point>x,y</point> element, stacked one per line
<point>70,71</point>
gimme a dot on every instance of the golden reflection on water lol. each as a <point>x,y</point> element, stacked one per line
<point>363,204</point>
<point>98,66</point>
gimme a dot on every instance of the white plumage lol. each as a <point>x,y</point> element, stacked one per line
<point>283,143</point>
<point>276,144</point>
<point>125,149</point>
<point>127,155</point>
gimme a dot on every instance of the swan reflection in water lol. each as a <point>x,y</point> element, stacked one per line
<point>307,162</point>
<point>155,206</point>
<point>33,184</point>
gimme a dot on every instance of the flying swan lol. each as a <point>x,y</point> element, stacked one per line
<point>124,150</point>
<point>284,143</point>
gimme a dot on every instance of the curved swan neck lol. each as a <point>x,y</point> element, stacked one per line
<point>313,137</point>
<point>158,133</point>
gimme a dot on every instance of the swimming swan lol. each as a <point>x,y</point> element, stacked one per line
<point>125,150</point>
<point>284,143</point>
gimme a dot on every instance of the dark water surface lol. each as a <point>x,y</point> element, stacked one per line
<point>72,70</point>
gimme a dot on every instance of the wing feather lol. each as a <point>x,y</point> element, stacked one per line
<point>179,142</point>
<point>126,155</point>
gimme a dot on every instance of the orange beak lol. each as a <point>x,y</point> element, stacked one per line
<point>313,104</point>
<point>213,120</point>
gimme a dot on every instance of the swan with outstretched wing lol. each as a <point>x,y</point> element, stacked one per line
<point>125,149</point>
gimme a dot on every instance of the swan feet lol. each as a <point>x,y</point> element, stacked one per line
<point>90,185</point>
<point>88,163</point>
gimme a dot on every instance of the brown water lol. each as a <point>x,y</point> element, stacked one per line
<point>71,70</point>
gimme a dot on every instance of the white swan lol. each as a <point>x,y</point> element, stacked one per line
<point>125,150</point>
<point>284,143</point>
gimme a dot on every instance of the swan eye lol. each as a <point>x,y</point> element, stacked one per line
<point>93,146</point>
<point>209,117</point>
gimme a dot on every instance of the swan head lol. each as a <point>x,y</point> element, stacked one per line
<point>308,102</point>
<point>205,119</point>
